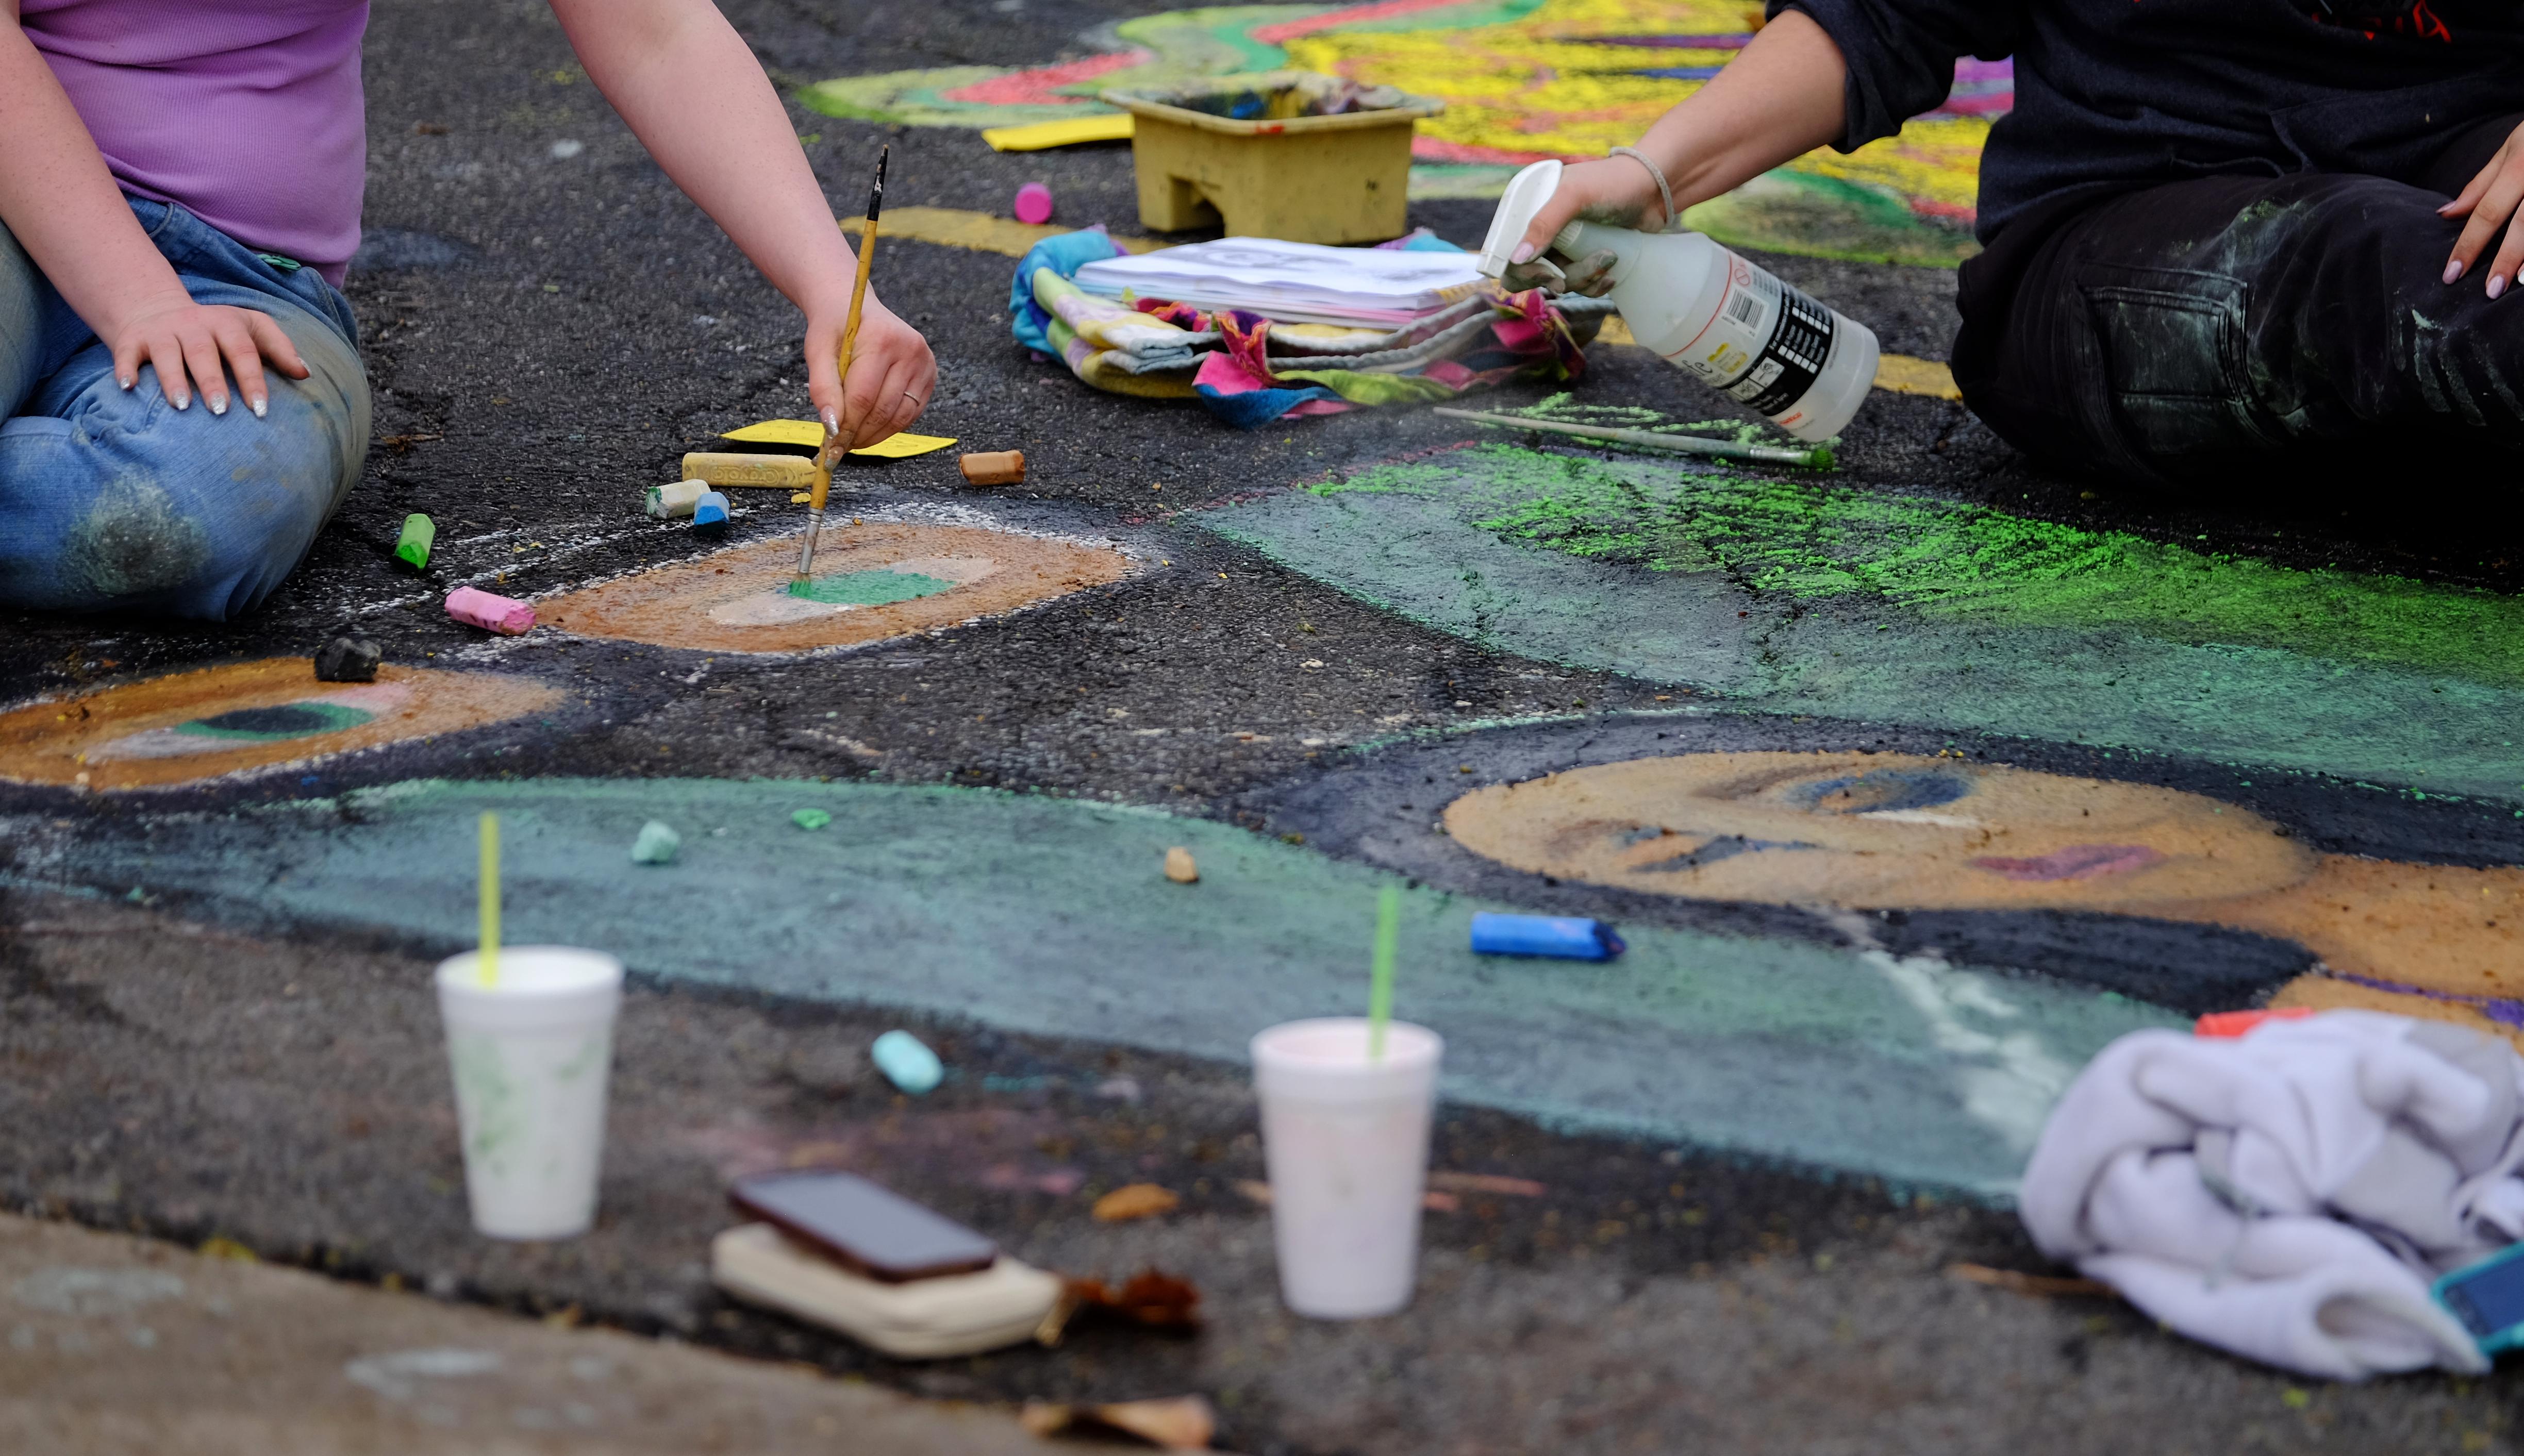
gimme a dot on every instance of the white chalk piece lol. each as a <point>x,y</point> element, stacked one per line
<point>924,1319</point>
<point>907,1063</point>
<point>657,844</point>
<point>676,502</point>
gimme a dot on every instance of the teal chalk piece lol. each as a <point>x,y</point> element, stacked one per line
<point>811,819</point>
<point>907,1063</point>
<point>657,844</point>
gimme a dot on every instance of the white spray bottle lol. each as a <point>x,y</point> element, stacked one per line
<point>1705,309</point>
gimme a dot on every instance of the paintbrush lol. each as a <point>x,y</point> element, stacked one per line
<point>833,444</point>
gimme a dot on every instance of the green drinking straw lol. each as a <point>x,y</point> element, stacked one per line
<point>490,899</point>
<point>1379,986</point>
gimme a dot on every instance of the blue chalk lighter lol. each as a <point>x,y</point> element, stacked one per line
<point>1559,936</point>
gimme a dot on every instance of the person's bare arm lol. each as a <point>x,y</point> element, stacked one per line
<point>697,100</point>
<point>62,206</point>
<point>1778,99</point>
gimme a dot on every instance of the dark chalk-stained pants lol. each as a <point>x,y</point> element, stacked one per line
<point>2236,334</point>
<point>116,499</point>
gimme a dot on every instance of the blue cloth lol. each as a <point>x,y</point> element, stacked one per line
<point>113,499</point>
<point>1064,254</point>
<point>1256,407</point>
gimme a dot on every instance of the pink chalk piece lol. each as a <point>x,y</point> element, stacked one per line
<point>479,608</point>
<point>1034,203</point>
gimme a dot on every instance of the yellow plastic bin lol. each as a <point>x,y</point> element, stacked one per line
<point>1279,154</point>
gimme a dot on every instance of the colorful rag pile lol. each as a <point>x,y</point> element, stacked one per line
<point>1250,370</point>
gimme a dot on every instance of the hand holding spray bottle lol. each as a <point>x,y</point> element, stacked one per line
<point>1705,309</point>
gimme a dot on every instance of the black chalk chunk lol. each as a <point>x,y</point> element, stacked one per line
<point>347,659</point>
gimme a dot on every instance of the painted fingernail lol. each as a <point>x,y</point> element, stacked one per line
<point>1523,253</point>
<point>219,405</point>
<point>2454,271</point>
<point>184,402</point>
<point>126,381</point>
<point>2496,284</point>
<point>258,405</point>
<point>832,423</point>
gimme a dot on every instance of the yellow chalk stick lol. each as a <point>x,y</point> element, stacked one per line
<point>1069,131</point>
<point>790,472</point>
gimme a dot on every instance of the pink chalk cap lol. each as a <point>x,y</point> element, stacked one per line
<point>1034,203</point>
<point>478,609</point>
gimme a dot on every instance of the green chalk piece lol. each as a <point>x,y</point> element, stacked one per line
<point>657,844</point>
<point>811,819</point>
<point>420,533</point>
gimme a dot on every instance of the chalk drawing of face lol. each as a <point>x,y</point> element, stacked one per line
<point>1886,831</point>
<point>1875,831</point>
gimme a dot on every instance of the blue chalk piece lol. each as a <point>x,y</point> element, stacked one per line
<point>1559,935</point>
<point>709,513</point>
<point>907,1063</point>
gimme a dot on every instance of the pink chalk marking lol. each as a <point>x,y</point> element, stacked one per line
<point>1352,15</point>
<point>2075,863</point>
<point>2223,1025</point>
<point>1041,86</point>
<point>479,608</point>
<point>1034,204</point>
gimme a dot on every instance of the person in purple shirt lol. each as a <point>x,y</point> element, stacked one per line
<point>165,254</point>
<point>2232,247</point>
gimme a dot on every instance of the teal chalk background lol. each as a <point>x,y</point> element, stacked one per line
<point>1049,916</point>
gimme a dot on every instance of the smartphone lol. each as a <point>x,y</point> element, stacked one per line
<point>2487,1298</point>
<point>864,1227</point>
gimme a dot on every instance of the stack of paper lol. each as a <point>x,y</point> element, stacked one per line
<point>1301,283</point>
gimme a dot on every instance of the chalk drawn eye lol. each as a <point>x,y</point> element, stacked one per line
<point>1882,790</point>
<point>848,591</point>
<point>2076,862</point>
<point>280,722</point>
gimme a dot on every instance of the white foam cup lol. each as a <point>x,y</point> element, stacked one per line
<point>1346,1141</point>
<point>531,1056</point>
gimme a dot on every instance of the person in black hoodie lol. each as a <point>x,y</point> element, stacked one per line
<point>2220,236</point>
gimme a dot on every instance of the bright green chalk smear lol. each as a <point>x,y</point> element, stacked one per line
<point>870,588</point>
<point>1804,596</point>
<point>1952,558</point>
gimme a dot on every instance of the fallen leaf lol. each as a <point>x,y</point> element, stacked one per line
<point>1137,1201</point>
<point>1179,1422</point>
<point>1152,1297</point>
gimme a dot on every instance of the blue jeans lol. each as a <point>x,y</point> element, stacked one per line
<point>114,499</point>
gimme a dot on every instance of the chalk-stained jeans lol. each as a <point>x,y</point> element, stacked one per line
<point>2239,333</point>
<point>116,499</point>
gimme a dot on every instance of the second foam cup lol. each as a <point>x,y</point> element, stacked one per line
<point>532,1054</point>
<point>1346,1141</point>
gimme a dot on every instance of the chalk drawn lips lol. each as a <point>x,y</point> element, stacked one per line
<point>2076,862</point>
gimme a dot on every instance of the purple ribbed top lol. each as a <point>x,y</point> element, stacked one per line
<point>248,113</point>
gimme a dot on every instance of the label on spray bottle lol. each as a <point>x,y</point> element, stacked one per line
<point>1764,344</point>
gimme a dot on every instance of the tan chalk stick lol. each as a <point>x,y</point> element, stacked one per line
<point>1181,867</point>
<point>788,473</point>
<point>993,467</point>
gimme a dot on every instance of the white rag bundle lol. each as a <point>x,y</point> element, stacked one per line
<point>2290,1195</point>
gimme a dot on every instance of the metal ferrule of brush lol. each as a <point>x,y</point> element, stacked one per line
<point>807,549</point>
